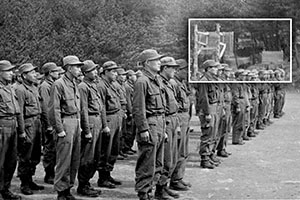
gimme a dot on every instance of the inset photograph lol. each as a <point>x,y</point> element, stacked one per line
<point>240,50</point>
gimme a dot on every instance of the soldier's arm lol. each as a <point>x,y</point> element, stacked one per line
<point>139,106</point>
<point>55,107</point>
<point>202,101</point>
<point>102,91</point>
<point>83,91</point>
<point>45,98</point>
<point>20,118</point>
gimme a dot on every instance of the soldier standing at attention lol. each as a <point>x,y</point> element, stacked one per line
<point>182,97</point>
<point>64,109</point>
<point>148,113</point>
<point>93,119</point>
<point>51,71</point>
<point>8,132</point>
<point>110,140</point>
<point>29,128</point>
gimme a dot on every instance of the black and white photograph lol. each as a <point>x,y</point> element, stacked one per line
<point>149,99</point>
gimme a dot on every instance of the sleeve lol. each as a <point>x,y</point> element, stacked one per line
<point>202,101</point>
<point>20,118</point>
<point>139,106</point>
<point>129,100</point>
<point>102,91</point>
<point>55,107</point>
<point>45,98</point>
<point>83,91</point>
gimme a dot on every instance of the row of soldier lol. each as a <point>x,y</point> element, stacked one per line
<point>79,124</point>
<point>87,124</point>
<point>237,108</point>
<point>214,71</point>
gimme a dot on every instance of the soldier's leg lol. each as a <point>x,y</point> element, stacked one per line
<point>150,156</point>
<point>49,156</point>
<point>36,150</point>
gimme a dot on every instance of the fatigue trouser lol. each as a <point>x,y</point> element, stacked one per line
<point>149,163</point>
<point>130,133</point>
<point>110,145</point>
<point>225,127</point>
<point>247,122</point>
<point>29,152</point>
<point>269,105</point>
<point>262,108</point>
<point>220,125</point>
<point>209,132</point>
<point>183,140</point>
<point>49,150</point>
<point>253,115</point>
<point>67,154</point>
<point>278,102</point>
<point>238,124</point>
<point>170,149</point>
<point>123,130</point>
<point>90,151</point>
<point>8,151</point>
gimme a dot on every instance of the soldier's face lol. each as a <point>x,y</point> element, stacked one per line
<point>170,72</point>
<point>112,74</point>
<point>183,74</point>
<point>213,70</point>
<point>6,75</point>
<point>55,75</point>
<point>133,78</point>
<point>31,76</point>
<point>122,78</point>
<point>75,71</point>
<point>154,65</point>
<point>92,74</point>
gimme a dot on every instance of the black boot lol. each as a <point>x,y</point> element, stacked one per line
<point>170,192</point>
<point>161,194</point>
<point>25,189</point>
<point>112,180</point>
<point>49,177</point>
<point>8,195</point>
<point>85,190</point>
<point>34,186</point>
<point>68,194</point>
<point>104,181</point>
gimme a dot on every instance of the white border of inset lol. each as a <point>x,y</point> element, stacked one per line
<point>240,19</point>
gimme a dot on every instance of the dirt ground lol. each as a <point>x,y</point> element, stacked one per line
<point>267,167</point>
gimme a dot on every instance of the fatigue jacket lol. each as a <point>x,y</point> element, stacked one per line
<point>44,92</point>
<point>129,87</point>
<point>147,99</point>
<point>109,96</point>
<point>171,104</point>
<point>182,95</point>
<point>122,93</point>
<point>9,105</point>
<point>64,101</point>
<point>206,94</point>
<point>28,98</point>
<point>90,104</point>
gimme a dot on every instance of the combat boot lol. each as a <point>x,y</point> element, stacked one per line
<point>112,180</point>
<point>178,186</point>
<point>170,192</point>
<point>161,194</point>
<point>86,191</point>
<point>68,195</point>
<point>25,189</point>
<point>207,164</point>
<point>222,153</point>
<point>49,177</point>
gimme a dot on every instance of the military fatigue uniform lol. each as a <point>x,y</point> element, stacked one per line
<point>110,143</point>
<point>207,104</point>
<point>238,113</point>
<point>47,135</point>
<point>64,114</point>
<point>182,97</point>
<point>247,99</point>
<point>93,119</point>
<point>254,101</point>
<point>9,109</point>
<point>172,123</point>
<point>130,124</point>
<point>263,102</point>
<point>148,113</point>
<point>29,150</point>
<point>120,87</point>
<point>226,120</point>
<point>279,98</point>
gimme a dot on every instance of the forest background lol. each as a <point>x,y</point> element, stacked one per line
<point>101,30</point>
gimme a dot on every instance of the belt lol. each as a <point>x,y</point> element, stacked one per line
<point>171,114</point>
<point>8,118</point>
<point>112,113</point>
<point>154,115</point>
<point>73,116</point>
<point>94,114</point>
<point>31,116</point>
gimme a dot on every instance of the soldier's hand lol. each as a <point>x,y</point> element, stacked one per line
<point>238,110</point>
<point>208,118</point>
<point>50,128</point>
<point>166,138</point>
<point>88,137</point>
<point>178,131</point>
<point>144,136</point>
<point>23,135</point>
<point>125,116</point>
<point>106,130</point>
<point>61,134</point>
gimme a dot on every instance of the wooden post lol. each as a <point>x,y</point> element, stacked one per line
<point>195,66</point>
